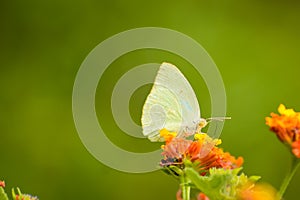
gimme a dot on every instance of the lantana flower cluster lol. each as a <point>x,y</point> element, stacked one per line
<point>203,150</point>
<point>213,173</point>
<point>15,195</point>
<point>286,125</point>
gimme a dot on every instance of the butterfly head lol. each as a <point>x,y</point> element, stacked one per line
<point>200,123</point>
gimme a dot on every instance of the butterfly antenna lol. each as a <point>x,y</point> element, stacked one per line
<point>221,119</point>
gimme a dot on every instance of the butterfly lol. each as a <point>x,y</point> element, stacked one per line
<point>172,104</point>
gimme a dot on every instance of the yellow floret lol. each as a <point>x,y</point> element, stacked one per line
<point>167,135</point>
<point>200,136</point>
<point>283,111</point>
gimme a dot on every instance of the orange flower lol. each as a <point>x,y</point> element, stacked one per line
<point>177,148</point>
<point>296,148</point>
<point>202,196</point>
<point>286,126</point>
<point>219,159</point>
<point>203,152</point>
<point>260,191</point>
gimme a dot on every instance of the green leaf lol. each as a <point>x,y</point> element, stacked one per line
<point>177,170</point>
<point>220,184</point>
<point>3,195</point>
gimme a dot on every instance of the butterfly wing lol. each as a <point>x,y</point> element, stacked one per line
<point>171,104</point>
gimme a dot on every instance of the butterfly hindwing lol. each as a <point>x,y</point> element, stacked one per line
<point>171,104</point>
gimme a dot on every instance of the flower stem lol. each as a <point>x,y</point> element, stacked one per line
<point>289,176</point>
<point>185,187</point>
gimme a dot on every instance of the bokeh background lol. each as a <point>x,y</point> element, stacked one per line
<point>254,43</point>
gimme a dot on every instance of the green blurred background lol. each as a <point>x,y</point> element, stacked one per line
<point>255,44</point>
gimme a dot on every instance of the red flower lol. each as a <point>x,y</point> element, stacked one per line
<point>202,196</point>
<point>2,184</point>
